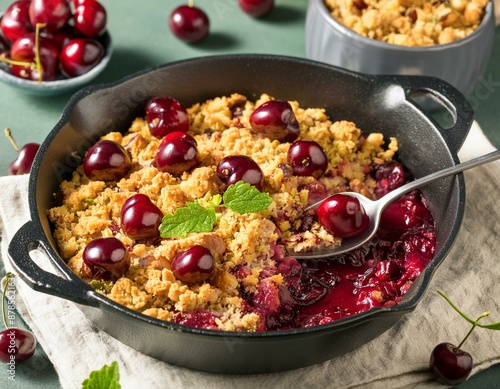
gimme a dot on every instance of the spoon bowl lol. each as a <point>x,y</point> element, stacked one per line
<point>374,208</point>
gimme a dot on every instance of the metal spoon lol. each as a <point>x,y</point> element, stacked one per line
<point>374,208</point>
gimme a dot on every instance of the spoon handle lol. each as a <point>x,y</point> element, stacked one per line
<point>494,155</point>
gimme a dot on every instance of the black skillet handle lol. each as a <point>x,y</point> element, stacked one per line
<point>449,98</point>
<point>26,240</point>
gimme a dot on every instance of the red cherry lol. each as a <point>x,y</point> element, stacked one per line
<point>16,345</point>
<point>275,119</point>
<point>165,115</point>
<point>106,161</point>
<point>343,216</point>
<point>24,49</point>
<point>53,13</point>
<point>193,265</point>
<point>307,158</point>
<point>256,8</point>
<point>188,23</point>
<point>16,20</point>
<point>181,135</point>
<point>236,168</point>
<point>59,38</point>
<point>90,18</point>
<point>450,365</point>
<point>22,164</point>
<point>176,156</point>
<point>406,213</point>
<point>107,258</point>
<point>140,218</point>
<point>79,56</point>
<point>25,156</point>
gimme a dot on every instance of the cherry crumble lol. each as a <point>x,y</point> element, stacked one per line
<point>237,180</point>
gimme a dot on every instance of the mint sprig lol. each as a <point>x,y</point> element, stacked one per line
<point>240,197</point>
<point>245,198</point>
<point>191,218</point>
<point>107,377</point>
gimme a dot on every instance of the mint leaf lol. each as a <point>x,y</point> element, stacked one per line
<point>191,218</point>
<point>106,378</point>
<point>245,198</point>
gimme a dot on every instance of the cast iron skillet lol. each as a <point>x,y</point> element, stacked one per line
<point>374,103</point>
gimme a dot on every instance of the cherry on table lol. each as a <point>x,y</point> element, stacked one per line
<point>236,168</point>
<point>107,258</point>
<point>307,158</point>
<point>106,161</point>
<point>140,218</point>
<point>165,115</point>
<point>256,8</point>
<point>343,216</point>
<point>189,23</point>
<point>80,55</point>
<point>16,20</point>
<point>449,364</point>
<point>25,156</point>
<point>193,265</point>
<point>275,119</point>
<point>16,344</point>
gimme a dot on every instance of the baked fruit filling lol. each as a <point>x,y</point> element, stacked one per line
<point>187,215</point>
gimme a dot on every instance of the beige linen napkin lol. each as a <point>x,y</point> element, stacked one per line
<point>399,358</point>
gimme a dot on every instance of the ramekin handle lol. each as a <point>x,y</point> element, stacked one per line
<point>25,240</point>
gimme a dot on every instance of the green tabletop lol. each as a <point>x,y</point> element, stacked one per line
<point>142,39</point>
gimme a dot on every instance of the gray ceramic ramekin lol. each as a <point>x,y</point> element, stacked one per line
<point>461,63</point>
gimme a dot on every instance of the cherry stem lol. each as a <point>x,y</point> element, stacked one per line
<point>474,325</point>
<point>37,50</point>
<point>191,3</point>
<point>8,134</point>
<point>12,62</point>
<point>7,277</point>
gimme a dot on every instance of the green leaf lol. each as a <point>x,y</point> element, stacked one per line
<point>106,378</point>
<point>245,198</point>
<point>191,218</point>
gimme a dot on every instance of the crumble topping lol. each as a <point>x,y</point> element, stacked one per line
<point>410,22</point>
<point>245,247</point>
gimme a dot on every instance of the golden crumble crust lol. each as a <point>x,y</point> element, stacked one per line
<point>238,242</point>
<point>410,22</point>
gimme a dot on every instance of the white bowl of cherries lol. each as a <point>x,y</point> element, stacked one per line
<point>53,46</point>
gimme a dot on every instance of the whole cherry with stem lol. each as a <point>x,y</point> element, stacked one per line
<point>33,57</point>
<point>450,364</point>
<point>25,156</point>
<point>16,344</point>
<point>189,23</point>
